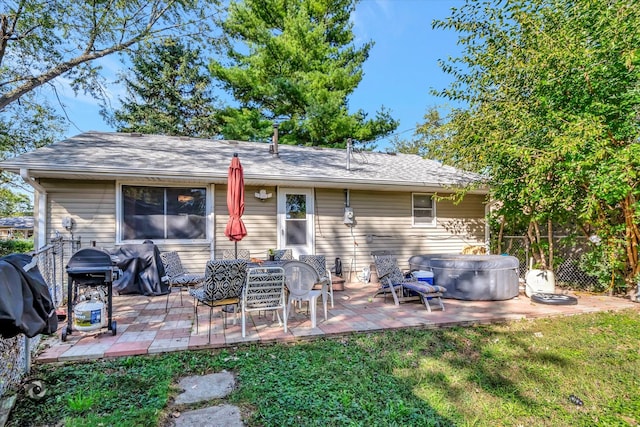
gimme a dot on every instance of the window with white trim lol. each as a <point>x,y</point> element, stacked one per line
<point>424,210</point>
<point>162,213</point>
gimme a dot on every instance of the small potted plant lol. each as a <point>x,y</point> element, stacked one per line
<point>271,254</point>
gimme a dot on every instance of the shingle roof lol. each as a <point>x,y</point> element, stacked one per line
<point>18,223</point>
<point>103,155</point>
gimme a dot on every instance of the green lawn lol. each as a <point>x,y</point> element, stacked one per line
<point>516,374</point>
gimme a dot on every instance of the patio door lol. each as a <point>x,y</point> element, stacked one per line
<point>296,220</point>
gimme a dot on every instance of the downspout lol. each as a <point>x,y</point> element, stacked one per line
<point>42,207</point>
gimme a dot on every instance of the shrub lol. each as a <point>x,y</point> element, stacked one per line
<point>15,246</point>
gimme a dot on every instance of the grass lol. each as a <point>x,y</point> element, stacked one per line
<point>515,374</point>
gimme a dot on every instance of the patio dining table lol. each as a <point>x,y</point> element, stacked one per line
<point>281,263</point>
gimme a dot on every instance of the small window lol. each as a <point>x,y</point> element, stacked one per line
<point>163,213</point>
<point>424,210</point>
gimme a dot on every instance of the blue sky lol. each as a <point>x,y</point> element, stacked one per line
<point>401,69</point>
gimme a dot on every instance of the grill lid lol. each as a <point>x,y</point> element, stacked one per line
<point>88,260</point>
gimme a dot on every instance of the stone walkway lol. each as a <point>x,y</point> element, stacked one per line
<point>206,388</point>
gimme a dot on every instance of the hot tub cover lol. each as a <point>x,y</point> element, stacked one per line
<point>472,277</point>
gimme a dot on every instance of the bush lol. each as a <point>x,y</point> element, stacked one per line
<point>15,246</point>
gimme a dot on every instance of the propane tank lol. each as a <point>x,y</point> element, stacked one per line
<point>89,315</point>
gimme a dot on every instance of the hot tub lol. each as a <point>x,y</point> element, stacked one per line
<point>472,277</point>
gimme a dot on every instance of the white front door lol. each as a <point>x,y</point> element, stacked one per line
<point>296,220</point>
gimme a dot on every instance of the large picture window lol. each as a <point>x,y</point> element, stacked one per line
<point>163,213</point>
<point>424,210</point>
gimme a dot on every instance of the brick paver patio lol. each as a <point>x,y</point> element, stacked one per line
<point>145,327</point>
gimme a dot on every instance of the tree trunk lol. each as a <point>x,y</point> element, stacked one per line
<point>632,237</point>
<point>500,235</point>
<point>550,237</point>
<point>537,238</point>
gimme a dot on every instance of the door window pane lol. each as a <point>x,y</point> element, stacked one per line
<point>296,232</point>
<point>296,220</point>
<point>296,206</point>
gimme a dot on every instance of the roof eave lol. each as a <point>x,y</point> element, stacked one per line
<point>252,179</point>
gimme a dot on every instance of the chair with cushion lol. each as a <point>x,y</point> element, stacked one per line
<point>264,290</point>
<point>223,284</point>
<point>319,262</point>
<point>282,254</point>
<point>231,254</point>
<point>404,288</point>
<point>301,278</point>
<point>177,275</point>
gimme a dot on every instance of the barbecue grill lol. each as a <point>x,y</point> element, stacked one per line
<point>90,268</point>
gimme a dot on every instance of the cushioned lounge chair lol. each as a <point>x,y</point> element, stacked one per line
<point>403,288</point>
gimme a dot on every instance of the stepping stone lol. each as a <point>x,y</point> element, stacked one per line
<point>205,387</point>
<point>219,416</point>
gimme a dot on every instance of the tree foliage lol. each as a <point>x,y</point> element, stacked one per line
<point>552,89</point>
<point>40,41</point>
<point>25,126</point>
<point>14,204</point>
<point>295,62</point>
<point>44,41</point>
<point>168,93</point>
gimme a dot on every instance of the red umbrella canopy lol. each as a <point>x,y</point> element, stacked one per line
<point>235,230</point>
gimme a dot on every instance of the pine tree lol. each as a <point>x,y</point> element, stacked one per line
<point>169,93</point>
<point>295,62</point>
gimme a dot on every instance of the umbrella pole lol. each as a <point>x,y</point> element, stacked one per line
<point>235,244</point>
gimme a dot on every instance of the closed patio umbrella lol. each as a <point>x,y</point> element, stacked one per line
<point>235,229</point>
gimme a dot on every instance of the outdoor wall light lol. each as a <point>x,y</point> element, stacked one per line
<point>263,195</point>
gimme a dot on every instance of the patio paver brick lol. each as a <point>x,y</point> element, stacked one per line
<point>144,326</point>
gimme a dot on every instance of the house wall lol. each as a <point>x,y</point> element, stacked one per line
<point>383,221</point>
<point>259,219</point>
<point>92,206</point>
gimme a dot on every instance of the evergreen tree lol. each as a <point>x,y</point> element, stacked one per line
<point>295,62</point>
<point>168,93</point>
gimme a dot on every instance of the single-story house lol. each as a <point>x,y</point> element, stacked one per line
<point>110,189</point>
<point>16,227</point>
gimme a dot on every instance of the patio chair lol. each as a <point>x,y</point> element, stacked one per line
<point>404,288</point>
<point>282,255</point>
<point>177,275</point>
<point>223,283</point>
<point>231,254</point>
<point>319,262</point>
<point>301,278</point>
<point>264,290</point>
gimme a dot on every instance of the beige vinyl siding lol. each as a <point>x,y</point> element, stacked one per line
<point>91,205</point>
<point>259,219</point>
<point>383,221</point>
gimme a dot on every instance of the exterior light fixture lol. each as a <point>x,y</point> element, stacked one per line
<point>263,195</point>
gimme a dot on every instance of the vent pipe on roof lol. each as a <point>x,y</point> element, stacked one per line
<point>349,148</point>
<point>273,148</point>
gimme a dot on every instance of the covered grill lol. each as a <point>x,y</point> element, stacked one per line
<point>90,268</point>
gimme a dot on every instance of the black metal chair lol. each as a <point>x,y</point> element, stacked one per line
<point>223,284</point>
<point>177,275</point>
